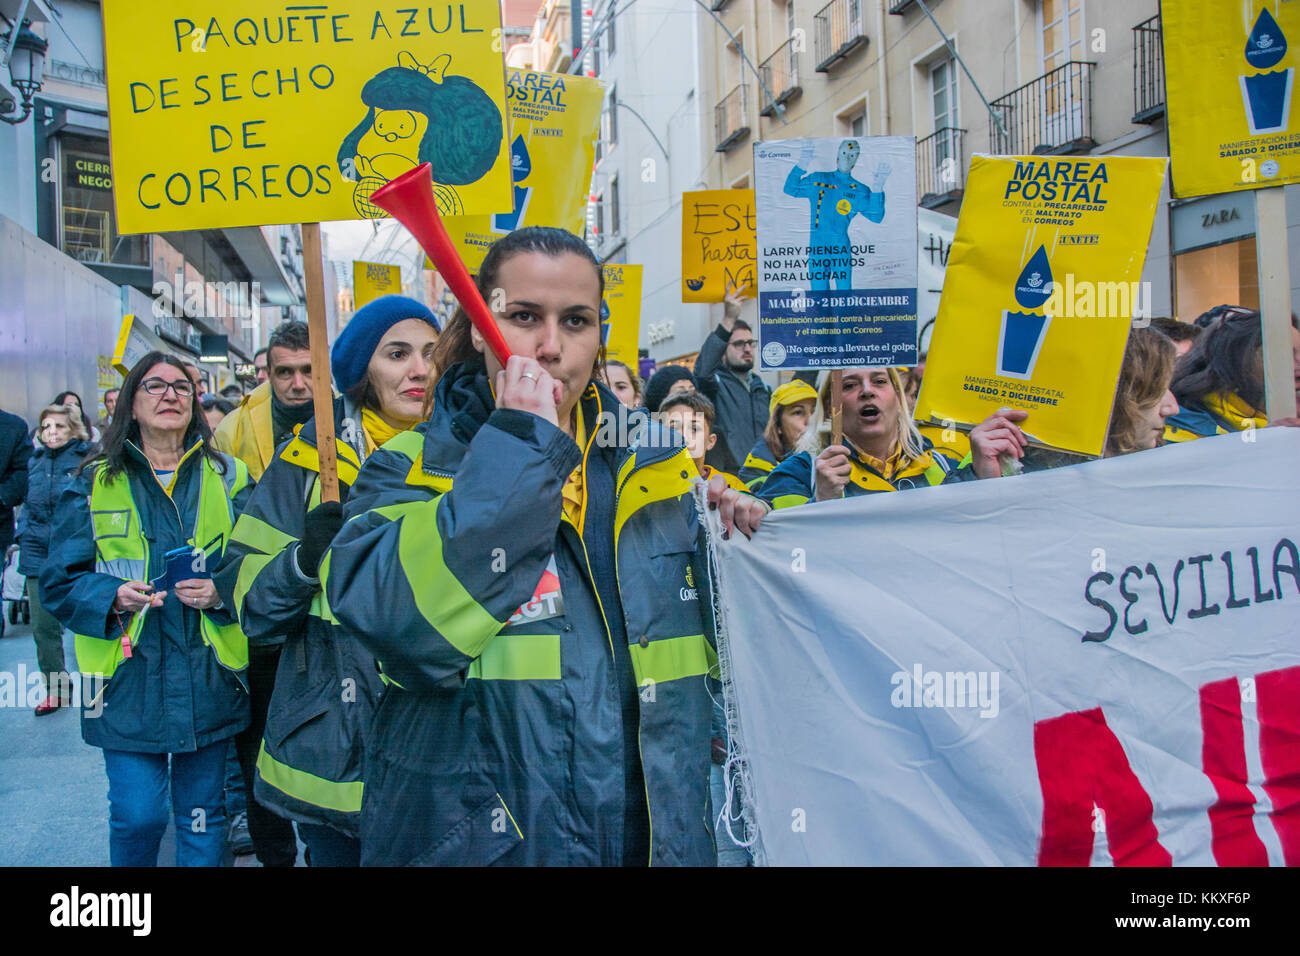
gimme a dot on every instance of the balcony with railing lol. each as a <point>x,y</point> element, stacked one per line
<point>780,73</point>
<point>731,119</point>
<point>940,167</point>
<point>1148,72</point>
<point>840,30</point>
<point>1050,115</point>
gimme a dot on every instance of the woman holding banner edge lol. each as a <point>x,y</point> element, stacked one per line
<point>541,628</point>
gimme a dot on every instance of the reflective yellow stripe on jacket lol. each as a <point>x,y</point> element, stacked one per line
<point>122,550</point>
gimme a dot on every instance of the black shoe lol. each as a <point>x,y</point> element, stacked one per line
<point>241,844</point>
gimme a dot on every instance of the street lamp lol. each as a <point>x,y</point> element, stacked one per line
<point>26,69</point>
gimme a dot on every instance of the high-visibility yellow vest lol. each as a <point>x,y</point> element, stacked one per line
<point>121,550</point>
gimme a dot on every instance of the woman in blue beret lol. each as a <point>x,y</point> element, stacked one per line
<point>314,686</point>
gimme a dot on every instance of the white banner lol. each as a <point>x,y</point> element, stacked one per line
<point>1096,664</point>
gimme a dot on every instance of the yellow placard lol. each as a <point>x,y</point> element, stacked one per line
<point>718,244</point>
<point>623,296</point>
<point>370,280</point>
<point>121,361</point>
<point>1041,289</point>
<point>554,120</point>
<point>240,113</point>
<point>1230,76</point>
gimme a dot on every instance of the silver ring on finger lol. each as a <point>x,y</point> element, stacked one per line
<point>530,376</point>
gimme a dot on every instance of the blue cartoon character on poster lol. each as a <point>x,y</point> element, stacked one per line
<point>835,198</point>
<point>421,114</point>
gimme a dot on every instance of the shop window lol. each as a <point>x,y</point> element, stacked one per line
<point>88,230</point>
<point>1226,274</point>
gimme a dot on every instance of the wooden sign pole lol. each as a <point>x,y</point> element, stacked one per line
<point>322,393</point>
<point>837,406</point>
<point>1275,302</point>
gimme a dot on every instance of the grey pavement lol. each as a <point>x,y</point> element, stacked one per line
<point>53,789</point>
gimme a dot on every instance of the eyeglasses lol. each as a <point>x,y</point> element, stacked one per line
<point>183,388</point>
<point>743,344</point>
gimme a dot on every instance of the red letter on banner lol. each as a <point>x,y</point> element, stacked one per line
<point>1081,763</point>
<point>1277,705</point>
<point>1223,757</point>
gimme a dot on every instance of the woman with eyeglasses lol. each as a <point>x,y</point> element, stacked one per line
<point>1219,383</point>
<point>161,658</point>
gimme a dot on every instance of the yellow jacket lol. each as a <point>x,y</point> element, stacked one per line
<point>246,432</point>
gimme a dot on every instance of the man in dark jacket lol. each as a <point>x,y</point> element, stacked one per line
<point>725,373</point>
<point>15,450</point>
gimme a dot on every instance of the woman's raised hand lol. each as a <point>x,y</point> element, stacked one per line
<point>832,471</point>
<point>998,435</point>
<point>525,386</point>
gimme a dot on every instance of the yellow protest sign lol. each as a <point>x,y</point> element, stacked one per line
<point>623,296</point>
<point>1229,78</point>
<point>122,357</point>
<point>718,245</point>
<point>554,119</point>
<point>238,114</point>
<point>1041,289</point>
<point>370,280</point>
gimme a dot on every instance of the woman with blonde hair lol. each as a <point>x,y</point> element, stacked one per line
<point>62,441</point>
<point>881,449</point>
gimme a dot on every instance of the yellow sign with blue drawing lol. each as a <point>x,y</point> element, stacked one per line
<point>1043,284</point>
<point>554,119</point>
<point>370,280</point>
<point>241,114</point>
<point>1229,77</point>
<point>623,299</point>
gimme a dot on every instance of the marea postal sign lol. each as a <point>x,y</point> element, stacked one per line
<point>554,119</point>
<point>622,328</point>
<point>244,113</point>
<point>1040,292</point>
<point>836,252</point>
<point>1230,70</point>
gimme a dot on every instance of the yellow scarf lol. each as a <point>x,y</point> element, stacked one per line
<point>377,430</point>
<point>574,487</point>
<point>1232,409</point>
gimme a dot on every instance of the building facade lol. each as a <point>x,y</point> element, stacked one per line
<point>1062,77</point>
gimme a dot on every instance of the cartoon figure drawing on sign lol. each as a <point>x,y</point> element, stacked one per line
<point>835,198</point>
<point>420,114</point>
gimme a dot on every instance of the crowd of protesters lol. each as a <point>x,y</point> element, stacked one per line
<point>495,647</point>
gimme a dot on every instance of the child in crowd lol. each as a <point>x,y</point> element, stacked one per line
<point>692,415</point>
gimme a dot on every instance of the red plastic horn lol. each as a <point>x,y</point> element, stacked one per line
<point>409,199</point>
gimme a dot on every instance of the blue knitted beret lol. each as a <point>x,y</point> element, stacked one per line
<point>355,345</point>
